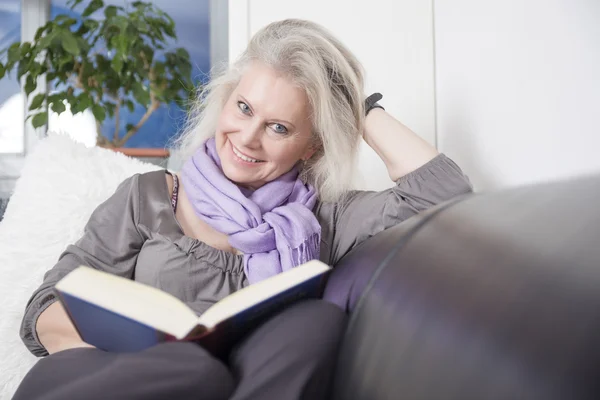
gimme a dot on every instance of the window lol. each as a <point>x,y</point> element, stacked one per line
<point>11,101</point>
<point>192,22</point>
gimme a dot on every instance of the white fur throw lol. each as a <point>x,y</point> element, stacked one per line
<point>62,182</point>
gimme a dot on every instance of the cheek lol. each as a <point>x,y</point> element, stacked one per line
<point>285,155</point>
<point>227,122</point>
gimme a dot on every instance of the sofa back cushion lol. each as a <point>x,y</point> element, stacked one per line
<point>493,297</point>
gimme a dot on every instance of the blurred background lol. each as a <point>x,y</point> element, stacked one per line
<point>509,89</point>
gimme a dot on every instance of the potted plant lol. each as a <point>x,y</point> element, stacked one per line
<point>105,59</point>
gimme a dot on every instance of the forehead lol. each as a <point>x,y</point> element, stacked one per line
<point>272,95</point>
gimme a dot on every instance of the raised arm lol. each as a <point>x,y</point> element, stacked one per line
<point>401,149</point>
<point>424,178</point>
<point>111,242</point>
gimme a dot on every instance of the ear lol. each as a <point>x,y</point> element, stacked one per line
<point>312,149</point>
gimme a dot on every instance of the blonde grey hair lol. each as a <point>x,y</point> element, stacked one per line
<point>313,59</point>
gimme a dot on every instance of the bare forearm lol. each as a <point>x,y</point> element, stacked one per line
<point>55,330</point>
<point>401,149</point>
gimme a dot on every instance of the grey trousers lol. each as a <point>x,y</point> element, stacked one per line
<point>290,356</point>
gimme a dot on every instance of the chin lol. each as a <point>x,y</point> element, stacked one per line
<point>240,177</point>
<point>236,176</point>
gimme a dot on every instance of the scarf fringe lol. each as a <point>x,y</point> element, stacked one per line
<point>306,251</point>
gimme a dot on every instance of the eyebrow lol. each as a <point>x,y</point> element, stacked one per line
<point>282,121</point>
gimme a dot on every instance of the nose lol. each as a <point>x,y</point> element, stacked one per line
<point>250,135</point>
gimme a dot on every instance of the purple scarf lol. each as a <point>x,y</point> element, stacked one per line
<point>273,226</point>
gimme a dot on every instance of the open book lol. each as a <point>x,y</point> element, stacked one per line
<point>120,315</point>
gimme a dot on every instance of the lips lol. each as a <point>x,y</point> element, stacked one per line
<point>244,157</point>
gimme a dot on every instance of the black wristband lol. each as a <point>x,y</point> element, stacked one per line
<point>371,102</point>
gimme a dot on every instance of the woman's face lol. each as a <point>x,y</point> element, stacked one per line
<point>264,128</point>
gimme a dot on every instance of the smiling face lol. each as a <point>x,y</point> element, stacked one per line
<point>264,128</point>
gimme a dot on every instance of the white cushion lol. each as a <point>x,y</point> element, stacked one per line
<point>62,182</point>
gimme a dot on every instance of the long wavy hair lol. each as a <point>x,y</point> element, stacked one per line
<point>314,60</point>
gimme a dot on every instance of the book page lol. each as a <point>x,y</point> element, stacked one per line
<point>258,292</point>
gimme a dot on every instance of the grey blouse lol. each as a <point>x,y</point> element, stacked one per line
<point>134,234</point>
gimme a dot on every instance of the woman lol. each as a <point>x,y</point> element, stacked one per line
<point>271,149</point>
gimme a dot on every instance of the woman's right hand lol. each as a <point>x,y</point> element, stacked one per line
<point>55,330</point>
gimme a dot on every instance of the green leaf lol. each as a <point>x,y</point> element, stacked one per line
<point>148,53</point>
<point>37,101</point>
<point>140,93</point>
<point>2,70</point>
<point>87,69</point>
<point>81,103</point>
<point>169,19</point>
<point>54,97</point>
<point>39,68</point>
<point>122,23</point>
<point>141,25</point>
<point>40,119</point>
<point>21,69</point>
<point>69,42</point>
<point>170,31</point>
<point>186,71</point>
<point>99,112</point>
<point>70,97</point>
<point>92,24</point>
<point>73,3</point>
<point>46,41</point>
<point>110,11</point>
<point>129,127</point>
<point>84,45</point>
<point>159,69</point>
<point>30,84</point>
<point>64,21</point>
<point>59,106</point>
<point>110,108</point>
<point>122,44</point>
<point>36,69</point>
<point>130,105</point>
<point>76,106</point>
<point>103,62</point>
<point>88,25</point>
<point>39,33</point>
<point>25,48</point>
<point>117,64</point>
<point>182,54</point>
<point>64,60</point>
<point>60,18</point>
<point>94,6</point>
<point>14,53</point>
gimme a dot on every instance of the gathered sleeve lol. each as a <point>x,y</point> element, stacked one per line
<point>362,214</point>
<point>110,242</point>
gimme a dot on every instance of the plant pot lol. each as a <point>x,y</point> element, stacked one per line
<point>154,156</point>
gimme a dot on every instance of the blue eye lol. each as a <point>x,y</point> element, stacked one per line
<point>243,107</point>
<point>278,128</point>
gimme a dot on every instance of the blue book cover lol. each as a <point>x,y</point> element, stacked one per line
<point>108,330</point>
<point>120,315</point>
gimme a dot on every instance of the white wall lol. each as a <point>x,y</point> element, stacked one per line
<point>392,38</point>
<point>518,88</point>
